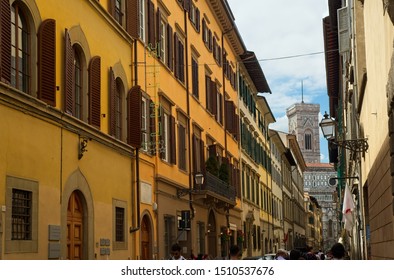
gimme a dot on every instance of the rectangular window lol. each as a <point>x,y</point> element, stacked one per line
<point>165,134</point>
<point>169,224</point>
<point>179,58</point>
<point>163,40</point>
<point>144,124</point>
<point>119,218</point>
<point>194,77</point>
<point>21,220</point>
<point>219,109</point>
<point>141,30</point>
<point>21,225</point>
<point>119,225</point>
<point>118,11</point>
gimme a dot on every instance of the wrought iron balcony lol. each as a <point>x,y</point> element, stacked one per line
<point>218,189</point>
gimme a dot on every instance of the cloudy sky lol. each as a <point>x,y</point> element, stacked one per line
<point>287,38</point>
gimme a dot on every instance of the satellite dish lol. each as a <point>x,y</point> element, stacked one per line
<point>332,181</point>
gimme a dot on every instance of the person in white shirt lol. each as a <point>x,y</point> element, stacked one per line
<point>176,252</point>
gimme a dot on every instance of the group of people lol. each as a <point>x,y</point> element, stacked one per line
<point>337,252</point>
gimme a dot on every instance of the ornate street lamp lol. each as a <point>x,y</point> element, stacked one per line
<point>199,179</point>
<point>328,127</point>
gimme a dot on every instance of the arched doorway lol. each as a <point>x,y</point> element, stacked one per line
<point>75,214</point>
<point>146,251</point>
<point>212,238</point>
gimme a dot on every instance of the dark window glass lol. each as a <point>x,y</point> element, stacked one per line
<point>21,215</point>
<point>20,52</point>
<point>78,84</point>
<point>119,224</point>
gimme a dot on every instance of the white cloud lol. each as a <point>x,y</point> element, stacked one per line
<point>279,29</point>
<point>281,124</point>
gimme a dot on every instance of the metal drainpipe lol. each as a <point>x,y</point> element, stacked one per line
<point>188,113</point>
<point>137,165</point>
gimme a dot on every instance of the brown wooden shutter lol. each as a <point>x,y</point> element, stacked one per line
<point>236,126</point>
<point>214,109</point>
<point>214,48</point>
<point>112,98</point>
<point>202,156</point>
<point>170,63</point>
<point>186,5</point>
<point>134,117</point>
<point>208,101</point>
<point>220,113</point>
<point>204,27</point>
<point>198,19</point>
<point>5,41</point>
<point>47,62</point>
<point>111,7</point>
<point>181,62</point>
<point>152,126</point>
<point>194,153</point>
<point>176,54</point>
<point>151,24</point>
<point>182,146</point>
<point>172,141</point>
<point>95,91</point>
<point>231,174</point>
<point>158,21</point>
<point>229,115</point>
<point>237,181</point>
<point>132,18</point>
<point>69,94</point>
<point>210,39</point>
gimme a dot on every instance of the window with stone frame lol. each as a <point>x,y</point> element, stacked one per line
<point>167,140</point>
<point>21,221</point>
<point>119,224</point>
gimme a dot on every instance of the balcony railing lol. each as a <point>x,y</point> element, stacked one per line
<point>219,187</point>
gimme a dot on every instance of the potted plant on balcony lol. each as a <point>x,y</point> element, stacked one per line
<point>211,165</point>
<point>223,173</point>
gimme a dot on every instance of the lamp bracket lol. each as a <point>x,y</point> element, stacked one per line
<point>182,192</point>
<point>355,145</point>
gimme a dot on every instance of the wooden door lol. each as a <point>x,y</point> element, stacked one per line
<point>74,227</point>
<point>145,239</point>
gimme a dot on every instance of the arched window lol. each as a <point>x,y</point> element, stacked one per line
<point>308,141</point>
<point>20,50</point>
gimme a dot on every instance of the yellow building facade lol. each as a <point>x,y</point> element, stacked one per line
<point>120,129</point>
<point>68,188</point>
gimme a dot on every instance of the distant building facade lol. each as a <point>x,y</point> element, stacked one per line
<point>304,123</point>
<point>316,179</point>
